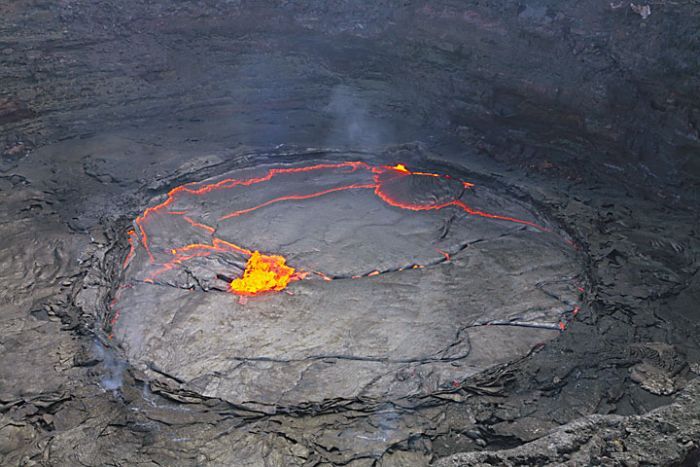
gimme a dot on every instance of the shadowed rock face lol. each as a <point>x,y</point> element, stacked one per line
<point>529,82</point>
<point>577,117</point>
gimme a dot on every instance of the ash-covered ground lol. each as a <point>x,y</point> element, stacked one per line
<point>563,330</point>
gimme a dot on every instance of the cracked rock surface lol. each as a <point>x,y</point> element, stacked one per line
<point>662,436</point>
<point>398,319</point>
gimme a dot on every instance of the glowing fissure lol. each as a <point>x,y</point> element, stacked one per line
<point>356,186</point>
<point>132,247</point>
<point>270,273</point>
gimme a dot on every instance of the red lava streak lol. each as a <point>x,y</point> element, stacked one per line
<point>297,198</point>
<point>132,247</point>
<point>380,177</point>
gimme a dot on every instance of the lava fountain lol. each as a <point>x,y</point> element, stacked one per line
<point>263,273</point>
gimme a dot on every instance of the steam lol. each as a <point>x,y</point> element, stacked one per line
<point>353,125</point>
<point>114,368</point>
<point>274,112</point>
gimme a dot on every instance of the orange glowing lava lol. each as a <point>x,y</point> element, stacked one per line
<point>263,273</point>
<point>401,168</point>
<point>266,273</point>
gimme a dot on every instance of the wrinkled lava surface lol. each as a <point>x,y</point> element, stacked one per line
<point>405,282</point>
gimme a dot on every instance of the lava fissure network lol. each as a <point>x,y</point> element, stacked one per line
<point>268,273</point>
<point>345,272</point>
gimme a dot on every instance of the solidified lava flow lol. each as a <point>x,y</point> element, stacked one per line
<point>396,186</point>
<point>394,267</point>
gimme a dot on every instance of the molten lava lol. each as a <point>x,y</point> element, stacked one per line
<point>401,168</point>
<point>263,273</point>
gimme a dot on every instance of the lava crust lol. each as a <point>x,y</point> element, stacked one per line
<point>390,272</point>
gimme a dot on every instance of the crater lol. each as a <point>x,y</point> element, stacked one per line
<point>406,281</point>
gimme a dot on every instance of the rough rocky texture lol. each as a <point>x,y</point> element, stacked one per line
<point>665,436</point>
<point>584,112</point>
